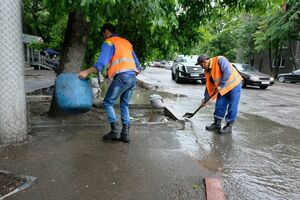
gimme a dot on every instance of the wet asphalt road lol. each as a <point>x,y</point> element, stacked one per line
<point>261,158</point>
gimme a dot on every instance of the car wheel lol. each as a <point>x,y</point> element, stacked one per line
<point>243,83</point>
<point>173,76</point>
<point>263,87</point>
<point>177,78</point>
<point>281,79</point>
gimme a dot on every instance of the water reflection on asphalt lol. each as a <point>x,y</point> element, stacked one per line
<point>260,160</point>
<point>140,95</point>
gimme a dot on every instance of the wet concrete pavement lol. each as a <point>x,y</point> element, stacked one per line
<point>259,160</point>
<point>76,164</point>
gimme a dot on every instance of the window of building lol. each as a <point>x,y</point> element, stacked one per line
<point>285,45</point>
<point>280,62</point>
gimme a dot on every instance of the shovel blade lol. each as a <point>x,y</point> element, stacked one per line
<point>188,115</point>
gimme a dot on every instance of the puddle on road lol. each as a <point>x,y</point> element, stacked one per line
<point>138,115</point>
<point>148,115</point>
<point>140,95</point>
<point>260,160</point>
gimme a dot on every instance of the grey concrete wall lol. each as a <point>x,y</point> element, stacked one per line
<point>13,120</point>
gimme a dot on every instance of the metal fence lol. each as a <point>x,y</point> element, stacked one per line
<point>13,114</point>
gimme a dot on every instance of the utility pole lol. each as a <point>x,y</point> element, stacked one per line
<point>13,116</point>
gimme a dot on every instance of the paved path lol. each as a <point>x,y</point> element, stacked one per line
<point>38,79</point>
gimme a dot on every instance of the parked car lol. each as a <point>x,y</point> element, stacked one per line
<point>166,64</point>
<point>252,76</point>
<point>184,68</point>
<point>163,63</point>
<point>155,63</point>
<point>291,77</point>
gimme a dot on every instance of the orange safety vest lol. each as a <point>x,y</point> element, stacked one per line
<point>216,74</point>
<point>122,60</point>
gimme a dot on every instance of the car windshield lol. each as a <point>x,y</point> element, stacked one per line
<point>189,59</point>
<point>245,68</point>
<point>297,72</point>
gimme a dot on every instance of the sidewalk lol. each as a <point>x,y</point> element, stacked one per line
<point>71,161</point>
<point>38,79</point>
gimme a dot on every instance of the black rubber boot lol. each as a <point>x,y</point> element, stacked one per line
<point>214,126</point>
<point>113,134</point>
<point>125,134</point>
<point>226,129</point>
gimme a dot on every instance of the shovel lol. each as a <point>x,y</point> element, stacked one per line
<point>190,115</point>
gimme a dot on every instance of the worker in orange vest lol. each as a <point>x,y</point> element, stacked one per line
<point>223,82</point>
<point>123,66</point>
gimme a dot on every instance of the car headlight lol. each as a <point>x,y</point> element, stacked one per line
<point>182,68</point>
<point>254,78</point>
<point>272,79</point>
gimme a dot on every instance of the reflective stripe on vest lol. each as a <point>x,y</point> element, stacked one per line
<point>121,60</point>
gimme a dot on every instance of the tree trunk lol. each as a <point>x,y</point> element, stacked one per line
<point>239,55</point>
<point>277,60</point>
<point>297,54</point>
<point>293,55</point>
<point>270,58</point>
<point>74,47</point>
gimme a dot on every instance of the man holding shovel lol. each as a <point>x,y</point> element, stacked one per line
<point>223,82</point>
<point>123,66</point>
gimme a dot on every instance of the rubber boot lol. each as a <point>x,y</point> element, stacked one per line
<point>226,129</point>
<point>113,134</point>
<point>214,126</point>
<point>125,134</point>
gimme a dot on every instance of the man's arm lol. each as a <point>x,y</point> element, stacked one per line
<point>226,70</point>
<point>106,52</point>
<point>136,60</point>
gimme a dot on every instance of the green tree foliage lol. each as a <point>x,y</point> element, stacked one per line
<point>156,28</point>
<point>249,30</point>
<point>277,28</point>
<point>39,20</point>
<point>218,38</point>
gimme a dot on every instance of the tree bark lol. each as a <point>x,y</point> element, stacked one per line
<point>74,48</point>
<point>297,54</point>
<point>270,58</point>
<point>277,60</point>
<point>293,55</point>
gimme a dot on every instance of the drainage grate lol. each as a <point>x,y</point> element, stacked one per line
<point>10,183</point>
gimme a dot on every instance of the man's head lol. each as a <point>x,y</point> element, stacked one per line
<point>203,60</point>
<point>107,30</point>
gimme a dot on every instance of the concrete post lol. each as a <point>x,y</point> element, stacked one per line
<point>13,118</point>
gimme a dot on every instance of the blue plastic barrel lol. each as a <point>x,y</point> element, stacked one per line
<point>73,95</point>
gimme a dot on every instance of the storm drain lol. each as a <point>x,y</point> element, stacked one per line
<point>10,183</point>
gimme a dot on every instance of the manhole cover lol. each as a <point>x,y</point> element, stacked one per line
<point>10,183</point>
